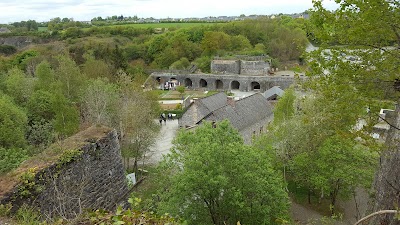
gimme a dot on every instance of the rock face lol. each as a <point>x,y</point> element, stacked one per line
<point>387,180</point>
<point>18,42</point>
<point>90,177</point>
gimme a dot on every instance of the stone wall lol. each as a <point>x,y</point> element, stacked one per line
<point>226,81</point>
<point>225,66</point>
<point>254,68</point>
<point>18,42</point>
<point>92,177</point>
<point>255,129</point>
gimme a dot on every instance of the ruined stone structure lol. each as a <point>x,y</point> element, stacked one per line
<point>225,82</point>
<point>250,115</point>
<point>92,177</point>
<point>243,67</point>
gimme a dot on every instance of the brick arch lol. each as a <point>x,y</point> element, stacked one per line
<point>235,85</point>
<point>202,83</point>
<point>219,84</point>
<point>255,86</point>
<point>188,82</point>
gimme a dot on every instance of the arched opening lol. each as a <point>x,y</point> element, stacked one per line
<point>255,86</point>
<point>203,83</point>
<point>171,83</point>
<point>158,79</point>
<point>235,85</point>
<point>188,82</point>
<point>219,84</point>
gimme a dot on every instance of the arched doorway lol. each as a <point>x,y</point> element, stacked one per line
<point>219,84</point>
<point>203,83</point>
<point>255,86</point>
<point>188,83</point>
<point>235,85</point>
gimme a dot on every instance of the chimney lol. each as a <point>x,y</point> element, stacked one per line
<point>231,101</point>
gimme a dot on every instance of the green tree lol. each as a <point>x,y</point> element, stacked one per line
<point>45,75</point>
<point>342,165</point>
<point>216,179</point>
<point>13,123</point>
<point>72,81</point>
<point>215,41</point>
<point>100,102</point>
<point>181,64</point>
<point>136,112</point>
<point>369,66</point>
<point>96,68</point>
<point>18,86</point>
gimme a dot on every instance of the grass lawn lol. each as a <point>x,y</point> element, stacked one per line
<point>194,94</point>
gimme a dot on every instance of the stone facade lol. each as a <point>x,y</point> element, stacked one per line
<point>225,66</point>
<point>254,68</point>
<point>221,82</point>
<point>242,67</point>
<point>93,179</point>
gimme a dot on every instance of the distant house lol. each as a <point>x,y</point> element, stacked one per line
<point>249,115</point>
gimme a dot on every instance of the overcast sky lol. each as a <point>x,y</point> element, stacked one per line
<point>81,10</point>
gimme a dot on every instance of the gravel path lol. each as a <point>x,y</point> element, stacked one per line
<point>164,142</point>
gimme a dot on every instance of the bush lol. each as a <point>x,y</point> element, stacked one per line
<point>11,158</point>
<point>7,49</point>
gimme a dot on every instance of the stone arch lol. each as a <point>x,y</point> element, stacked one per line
<point>188,82</point>
<point>158,79</point>
<point>235,85</point>
<point>203,83</point>
<point>255,86</point>
<point>219,84</point>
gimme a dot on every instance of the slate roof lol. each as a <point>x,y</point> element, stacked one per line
<point>209,104</point>
<point>275,90</point>
<point>244,112</point>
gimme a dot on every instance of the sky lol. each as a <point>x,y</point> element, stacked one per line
<point>85,10</point>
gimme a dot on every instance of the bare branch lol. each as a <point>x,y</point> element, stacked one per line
<point>376,213</point>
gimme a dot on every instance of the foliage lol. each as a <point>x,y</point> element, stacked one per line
<point>181,89</point>
<point>69,156</point>
<point>40,133</point>
<point>137,111</point>
<point>315,145</point>
<point>27,215</point>
<point>7,49</point>
<point>11,158</point>
<point>100,101</point>
<point>18,86</point>
<point>13,123</point>
<point>284,109</point>
<point>70,77</point>
<point>213,178</point>
<point>28,185</point>
<point>127,216</point>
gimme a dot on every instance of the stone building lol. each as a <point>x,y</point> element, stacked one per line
<point>243,67</point>
<point>249,115</point>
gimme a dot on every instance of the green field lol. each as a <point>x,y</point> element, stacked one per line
<point>165,25</point>
<point>42,28</point>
